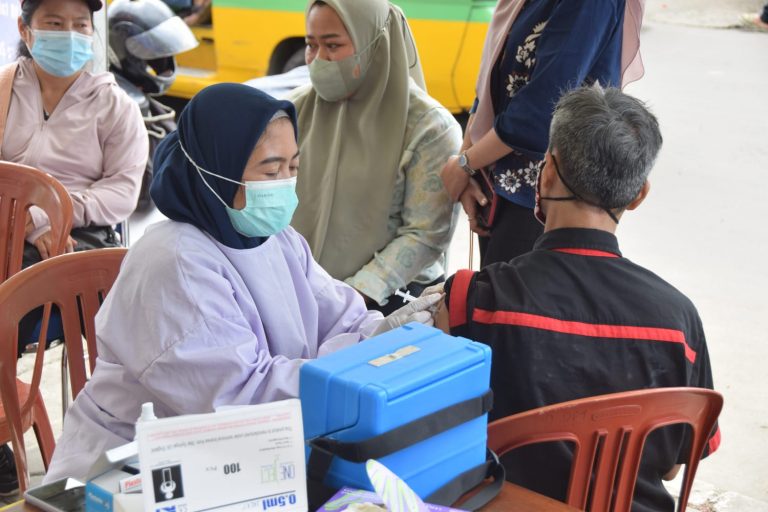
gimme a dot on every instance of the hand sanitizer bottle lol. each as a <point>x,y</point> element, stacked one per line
<point>147,413</point>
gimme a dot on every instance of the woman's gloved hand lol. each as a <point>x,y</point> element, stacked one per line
<point>438,288</point>
<point>420,310</point>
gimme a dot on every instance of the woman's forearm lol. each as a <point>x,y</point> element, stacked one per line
<point>467,142</point>
<point>489,149</point>
<point>483,153</point>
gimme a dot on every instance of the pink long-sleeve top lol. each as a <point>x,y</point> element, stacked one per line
<point>94,143</point>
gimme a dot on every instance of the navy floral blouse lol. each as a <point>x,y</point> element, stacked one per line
<point>553,46</point>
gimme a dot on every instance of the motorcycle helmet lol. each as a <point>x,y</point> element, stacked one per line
<point>144,36</point>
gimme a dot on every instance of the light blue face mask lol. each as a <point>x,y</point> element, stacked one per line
<point>61,52</point>
<point>269,205</point>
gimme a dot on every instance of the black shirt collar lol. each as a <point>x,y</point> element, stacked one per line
<point>578,238</point>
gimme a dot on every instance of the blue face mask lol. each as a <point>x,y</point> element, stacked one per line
<point>60,52</point>
<point>269,205</point>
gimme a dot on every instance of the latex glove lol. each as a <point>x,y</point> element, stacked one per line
<point>417,311</point>
<point>435,288</point>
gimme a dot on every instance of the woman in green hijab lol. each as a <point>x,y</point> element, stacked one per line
<point>371,203</point>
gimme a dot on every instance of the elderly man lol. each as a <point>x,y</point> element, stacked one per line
<point>574,318</point>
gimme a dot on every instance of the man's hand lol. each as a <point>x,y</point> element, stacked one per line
<point>44,245</point>
<point>471,200</point>
<point>454,178</point>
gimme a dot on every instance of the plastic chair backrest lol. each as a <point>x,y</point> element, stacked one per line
<point>20,188</point>
<point>608,433</point>
<point>77,283</point>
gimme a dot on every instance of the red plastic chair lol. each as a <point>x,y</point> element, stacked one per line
<point>608,433</point>
<point>20,188</point>
<point>77,283</point>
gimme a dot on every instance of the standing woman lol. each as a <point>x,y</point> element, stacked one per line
<point>372,143</point>
<point>78,126</point>
<point>534,51</point>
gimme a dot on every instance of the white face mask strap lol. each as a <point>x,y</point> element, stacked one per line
<point>200,170</point>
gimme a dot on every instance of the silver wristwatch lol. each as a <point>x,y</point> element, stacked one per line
<point>464,164</point>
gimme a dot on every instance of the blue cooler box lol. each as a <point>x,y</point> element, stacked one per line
<point>392,380</point>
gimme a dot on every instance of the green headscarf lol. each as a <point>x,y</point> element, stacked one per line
<point>351,149</point>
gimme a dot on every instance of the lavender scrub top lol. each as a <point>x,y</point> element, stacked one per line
<point>192,325</point>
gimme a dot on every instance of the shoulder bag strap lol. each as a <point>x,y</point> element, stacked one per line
<point>457,307</point>
<point>7,74</point>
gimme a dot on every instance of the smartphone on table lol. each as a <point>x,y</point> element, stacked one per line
<point>65,495</point>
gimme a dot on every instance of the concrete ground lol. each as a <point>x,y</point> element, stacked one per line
<point>700,228</point>
<point>700,13</point>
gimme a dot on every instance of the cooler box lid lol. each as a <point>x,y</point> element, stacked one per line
<point>389,366</point>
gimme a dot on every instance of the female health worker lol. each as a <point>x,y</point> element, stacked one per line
<point>223,303</point>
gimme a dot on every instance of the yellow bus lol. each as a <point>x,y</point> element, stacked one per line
<point>251,38</point>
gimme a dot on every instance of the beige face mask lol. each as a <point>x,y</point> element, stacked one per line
<point>335,80</point>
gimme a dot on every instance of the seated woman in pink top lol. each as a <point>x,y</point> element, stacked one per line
<point>78,126</point>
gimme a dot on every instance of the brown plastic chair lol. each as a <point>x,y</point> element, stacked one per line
<point>608,433</point>
<point>20,188</point>
<point>77,283</point>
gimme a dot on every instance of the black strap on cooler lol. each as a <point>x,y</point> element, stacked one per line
<point>450,493</point>
<point>324,449</point>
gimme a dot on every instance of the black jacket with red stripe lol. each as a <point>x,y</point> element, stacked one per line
<point>572,319</point>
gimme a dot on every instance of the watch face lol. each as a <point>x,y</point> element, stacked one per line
<point>463,160</point>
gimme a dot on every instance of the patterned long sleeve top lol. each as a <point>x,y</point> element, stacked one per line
<point>422,217</point>
<point>553,46</point>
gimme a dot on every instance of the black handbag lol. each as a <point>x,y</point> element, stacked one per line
<point>487,213</point>
<point>91,237</point>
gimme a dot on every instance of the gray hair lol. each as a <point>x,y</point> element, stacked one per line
<point>607,143</point>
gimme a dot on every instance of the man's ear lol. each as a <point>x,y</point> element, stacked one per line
<point>548,174</point>
<point>640,196</point>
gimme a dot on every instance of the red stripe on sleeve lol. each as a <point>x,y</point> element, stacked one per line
<point>457,308</point>
<point>589,252</point>
<point>584,329</point>
<point>714,442</point>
